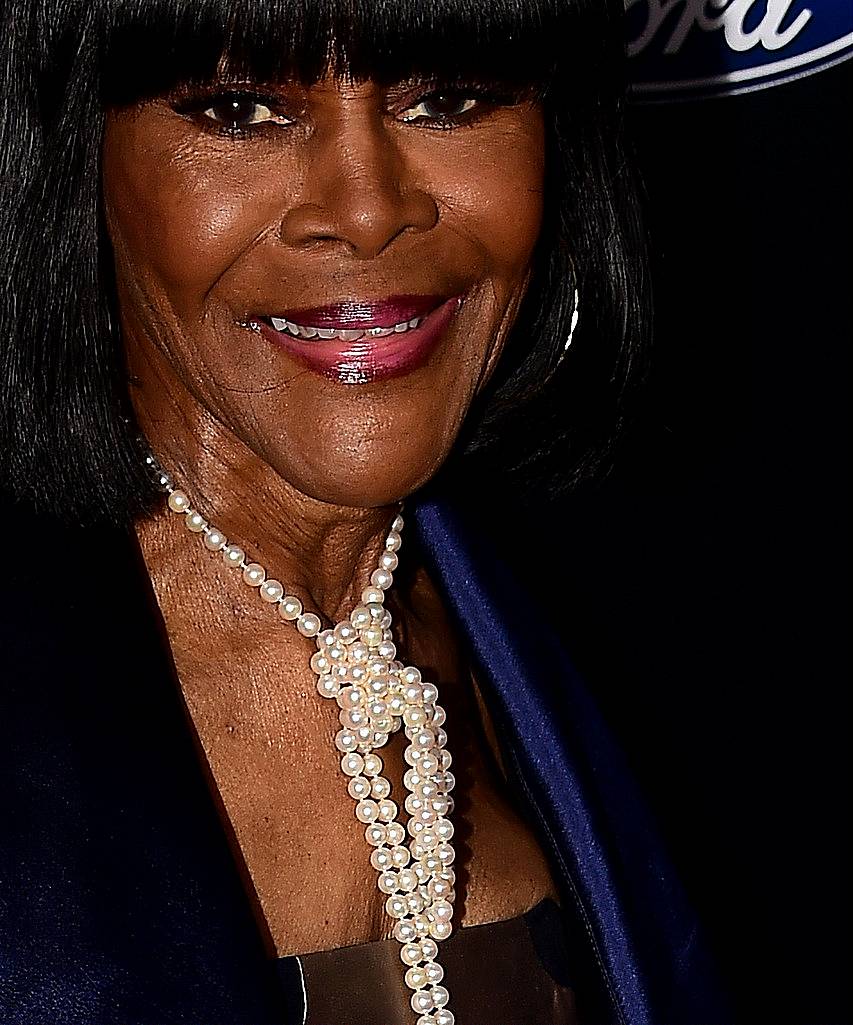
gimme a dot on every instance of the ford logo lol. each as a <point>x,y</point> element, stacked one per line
<point>681,48</point>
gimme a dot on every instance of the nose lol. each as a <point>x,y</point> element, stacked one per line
<point>360,191</point>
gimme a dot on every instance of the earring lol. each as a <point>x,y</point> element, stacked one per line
<point>572,326</point>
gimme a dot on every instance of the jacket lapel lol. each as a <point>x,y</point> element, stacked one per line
<point>643,951</point>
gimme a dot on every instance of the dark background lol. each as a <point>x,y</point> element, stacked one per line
<point>704,585</point>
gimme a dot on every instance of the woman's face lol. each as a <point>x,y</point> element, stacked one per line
<point>244,224</point>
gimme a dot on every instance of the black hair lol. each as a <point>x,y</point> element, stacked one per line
<point>66,442</point>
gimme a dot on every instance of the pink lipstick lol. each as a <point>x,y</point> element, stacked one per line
<point>358,341</point>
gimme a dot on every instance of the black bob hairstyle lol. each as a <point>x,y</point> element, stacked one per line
<point>65,440</point>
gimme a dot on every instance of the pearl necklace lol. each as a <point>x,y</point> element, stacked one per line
<point>356,666</point>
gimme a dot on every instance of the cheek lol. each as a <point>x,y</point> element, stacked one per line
<point>491,190</point>
<point>178,217</point>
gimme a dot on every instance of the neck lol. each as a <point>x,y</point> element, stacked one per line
<point>323,553</point>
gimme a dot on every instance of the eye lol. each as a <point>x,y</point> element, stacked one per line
<point>442,106</point>
<point>235,113</point>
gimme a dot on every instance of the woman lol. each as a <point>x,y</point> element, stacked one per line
<point>288,261</point>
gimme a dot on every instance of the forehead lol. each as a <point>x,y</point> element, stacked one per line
<point>149,48</point>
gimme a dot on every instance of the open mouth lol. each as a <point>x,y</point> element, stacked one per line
<point>308,331</point>
<point>357,342</point>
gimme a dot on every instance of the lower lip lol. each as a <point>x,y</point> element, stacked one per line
<point>369,358</point>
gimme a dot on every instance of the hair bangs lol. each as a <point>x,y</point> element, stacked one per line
<point>151,47</point>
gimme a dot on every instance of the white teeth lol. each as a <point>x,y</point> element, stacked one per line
<point>344,334</point>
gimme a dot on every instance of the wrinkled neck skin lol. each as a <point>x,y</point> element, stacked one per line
<point>321,552</point>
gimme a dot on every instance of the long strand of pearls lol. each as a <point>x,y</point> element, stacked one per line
<point>356,666</point>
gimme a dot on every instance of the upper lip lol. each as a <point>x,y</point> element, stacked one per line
<point>352,314</point>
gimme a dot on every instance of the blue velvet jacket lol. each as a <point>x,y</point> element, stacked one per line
<point>120,900</point>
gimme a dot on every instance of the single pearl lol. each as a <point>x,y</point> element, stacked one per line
<point>345,741</point>
<point>376,609</point>
<point>407,880</point>
<point>440,804</point>
<point>405,931</point>
<point>441,911</point>
<point>353,718</point>
<point>195,522</point>
<point>413,693</point>
<point>438,714</point>
<point>358,788</point>
<point>337,652</point>
<point>382,578</point>
<point>214,540</point>
<point>351,697</point>
<point>425,1019</point>
<point>380,788</point>
<point>320,663</point>
<point>327,686</point>
<point>415,903</point>
<point>385,621</point>
<point>387,810</point>
<point>396,832</point>
<point>352,764</point>
<point>416,978</point>
<point>411,779</point>
<point>358,652</point>
<point>254,574</point>
<point>434,972</point>
<point>429,949</point>
<point>233,556</point>
<point>444,1017</point>
<point>440,996</point>
<point>431,864</point>
<point>396,906</point>
<point>388,561</point>
<point>414,716</point>
<point>308,624</point>
<point>326,639</point>
<point>423,739</point>
<point>387,882</point>
<point>367,811</point>
<point>372,636</point>
<point>387,649</point>
<point>411,674</point>
<point>400,857</point>
<point>446,854</point>
<point>430,693</point>
<point>397,704</point>
<point>360,617</point>
<point>446,759</point>
<point>421,924</point>
<point>422,1001</point>
<point>380,859</point>
<point>346,633</point>
<point>372,595</point>
<point>271,590</point>
<point>410,953</point>
<point>290,608</point>
<point>440,930</point>
<point>178,502</point>
<point>444,830</point>
<point>372,765</point>
<point>413,804</point>
<point>393,541</point>
<point>375,833</point>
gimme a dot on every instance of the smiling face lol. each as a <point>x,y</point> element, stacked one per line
<point>326,273</point>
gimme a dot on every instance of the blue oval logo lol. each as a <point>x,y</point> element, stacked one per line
<point>681,48</point>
